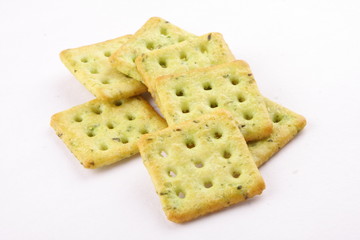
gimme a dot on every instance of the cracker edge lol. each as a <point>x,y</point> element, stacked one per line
<point>88,161</point>
<point>188,216</point>
<point>268,129</point>
<point>150,83</point>
<point>284,134</point>
<point>79,76</point>
<point>129,69</point>
<point>123,66</point>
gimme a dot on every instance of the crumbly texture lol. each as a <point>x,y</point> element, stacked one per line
<point>287,125</point>
<point>156,33</point>
<point>101,132</point>
<point>230,86</point>
<point>91,66</point>
<point>200,166</point>
<point>204,51</point>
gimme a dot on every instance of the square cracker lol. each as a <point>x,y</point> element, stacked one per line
<point>204,51</point>
<point>91,66</point>
<point>287,125</point>
<point>200,166</point>
<point>156,33</point>
<point>230,86</point>
<point>101,132</point>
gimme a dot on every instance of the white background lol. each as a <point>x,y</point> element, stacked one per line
<point>304,54</point>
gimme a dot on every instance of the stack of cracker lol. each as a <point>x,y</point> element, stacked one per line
<point>218,128</point>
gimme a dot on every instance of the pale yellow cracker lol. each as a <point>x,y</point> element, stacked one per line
<point>91,66</point>
<point>287,125</point>
<point>156,33</point>
<point>230,86</point>
<point>200,166</point>
<point>204,51</point>
<point>101,132</point>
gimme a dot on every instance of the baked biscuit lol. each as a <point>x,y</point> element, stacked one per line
<point>286,125</point>
<point>230,86</point>
<point>91,66</point>
<point>200,166</point>
<point>156,33</point>
<point>207,50</point>
<point>101,132</point>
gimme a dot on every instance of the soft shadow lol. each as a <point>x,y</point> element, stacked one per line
<point>149,99</point>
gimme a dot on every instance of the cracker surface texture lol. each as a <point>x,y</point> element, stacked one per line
<point>156,33</point>
<point>230,86</point>
<point>286,125</point>
<point>101,132</point>
<point>91,66</point>
<point>207,50</point>
<point>200,166</point>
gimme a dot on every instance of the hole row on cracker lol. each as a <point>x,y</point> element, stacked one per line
<point>189,77</point>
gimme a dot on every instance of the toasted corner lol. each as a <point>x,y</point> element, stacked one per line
<point>301,122</point>
<point>176,217</point>
<point>89,164</point>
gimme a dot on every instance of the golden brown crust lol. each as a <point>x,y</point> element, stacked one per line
<point>90,65</point>
<point>206,160</point>
<point>101,132</point>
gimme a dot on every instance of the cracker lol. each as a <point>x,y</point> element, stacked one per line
<point>287,125</point>
<point>230,86</point>
<point>200,166</point>
<point>102,132</point>
<point>90,65</point>
<point>156,33</point>
<point>204,51</point>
